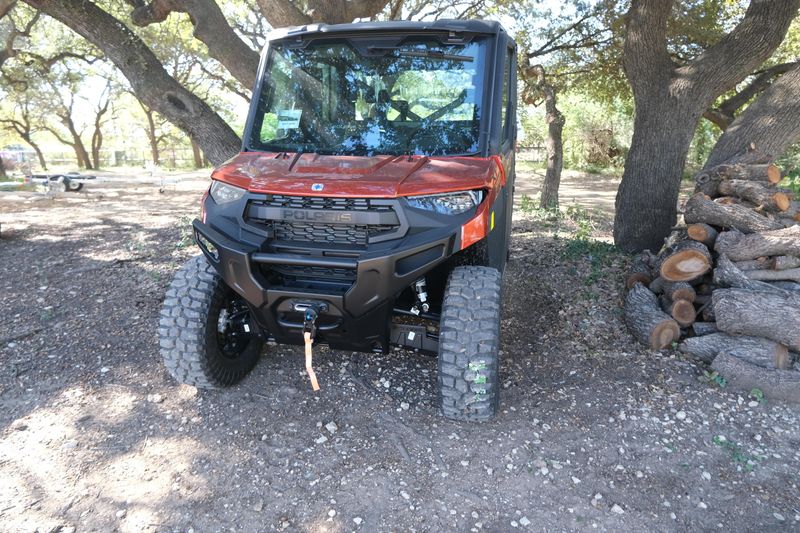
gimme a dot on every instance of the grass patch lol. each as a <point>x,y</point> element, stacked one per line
<point>739,457</point>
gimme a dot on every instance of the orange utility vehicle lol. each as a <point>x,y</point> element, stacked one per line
<point>370,207</point>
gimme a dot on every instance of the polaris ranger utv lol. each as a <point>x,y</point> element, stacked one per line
<point>370,207</point>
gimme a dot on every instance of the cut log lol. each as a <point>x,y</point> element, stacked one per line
<point>756,193</point>
<point>753,264</point>
<point>755,350</point>
<point>700,209</point>
<point>744,376</point>
<point>792,274</point>
<point>727,200</point>
<point>679,290</point>
<point>728,275</point>
<point>793,212</point>
<point>740,247</point>
<point>785,285</point>
<point>645,320</point>
<point>704,328</point>
<point>681,310</point>
<point>709,180</point>
<point>784,262</point>
<point>640,272</point>
<point>702,233</point>
<point>761,314</point>
<point>687,261</point>
<point>707,312</point>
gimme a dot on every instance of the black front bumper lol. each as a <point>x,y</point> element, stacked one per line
<point>358,318</point>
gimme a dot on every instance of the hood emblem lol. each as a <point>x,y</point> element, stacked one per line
<point>317,187</point>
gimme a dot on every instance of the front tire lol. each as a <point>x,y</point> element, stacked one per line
<point>469,344</point>
<point>205,333</point>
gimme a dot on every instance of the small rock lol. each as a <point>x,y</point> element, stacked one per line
<point>514,523</point>
<point>702,505</point>
<point>258,506</point>
<point>779,517</point>
<point>681,415</point>
<point>155,398</point>
<point>331,427</point>
<point>358,520</point>
<point>404,406</point>
<point>524,521</point>
<point>706,476</point>
<point>405,495</point>
<point>19,425</point>
<point>575,480</point>
<point>331,513</point>
<point>104,369</point>
<point>322,439</point>
<point>617,509</point>
<point>121,513</point>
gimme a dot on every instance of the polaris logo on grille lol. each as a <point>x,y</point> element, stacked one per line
<point>317,187</point>
<point>315,216</point>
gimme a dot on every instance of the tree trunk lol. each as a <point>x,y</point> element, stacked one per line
<point>755,350</point>
<point>772,122</point>
<point>646,203</point>
<point>645,320</point>
<point>700,209</point>
<point>3,169</point>
<point>670,101</point>
<point>744,376</point>
<point>752,264</point>
<point>554,144</point>
<point>152,135</point>
<point>760,314</point>
<point>197,155</point>
<point>148,79</point>
<point>740,247</point>
<point>35,146</point>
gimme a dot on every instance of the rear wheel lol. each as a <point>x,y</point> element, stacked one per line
<point>469,344</point>
<point>205,333</point>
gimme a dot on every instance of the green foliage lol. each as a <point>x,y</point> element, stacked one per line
<point>758,395</point>
<point>739,457</point>
<point>713,378</point>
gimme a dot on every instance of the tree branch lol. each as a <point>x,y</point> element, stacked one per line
<point>210,27</point>
<point>741,51</point>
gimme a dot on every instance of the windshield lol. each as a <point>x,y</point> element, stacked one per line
<point>340,97</point>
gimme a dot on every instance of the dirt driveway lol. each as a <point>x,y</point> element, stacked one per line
<point>594,432</point>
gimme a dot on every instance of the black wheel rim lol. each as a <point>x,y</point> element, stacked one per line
<point>234,332</point>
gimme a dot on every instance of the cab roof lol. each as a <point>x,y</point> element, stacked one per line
<point>444,25</point>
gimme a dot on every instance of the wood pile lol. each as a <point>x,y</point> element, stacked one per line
<point>727,283</point>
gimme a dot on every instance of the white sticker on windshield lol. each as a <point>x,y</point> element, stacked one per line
<point>289,119</point>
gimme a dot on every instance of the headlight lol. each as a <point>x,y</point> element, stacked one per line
<point>451,203</point>
<point>222,193</point>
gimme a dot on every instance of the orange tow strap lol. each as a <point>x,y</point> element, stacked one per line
<point>309,368</point>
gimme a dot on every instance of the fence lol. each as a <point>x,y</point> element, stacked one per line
<point>169,158</point>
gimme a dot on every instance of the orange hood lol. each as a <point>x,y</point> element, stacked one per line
<point>379,176</point>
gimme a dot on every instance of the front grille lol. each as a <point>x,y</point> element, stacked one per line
<point>306,272</point>
<point>313,202</point>
<point>324,233</point>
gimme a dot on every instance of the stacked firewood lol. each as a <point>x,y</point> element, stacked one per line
<point>728,282</point>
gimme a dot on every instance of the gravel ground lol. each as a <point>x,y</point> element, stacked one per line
<point>594,432</point>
